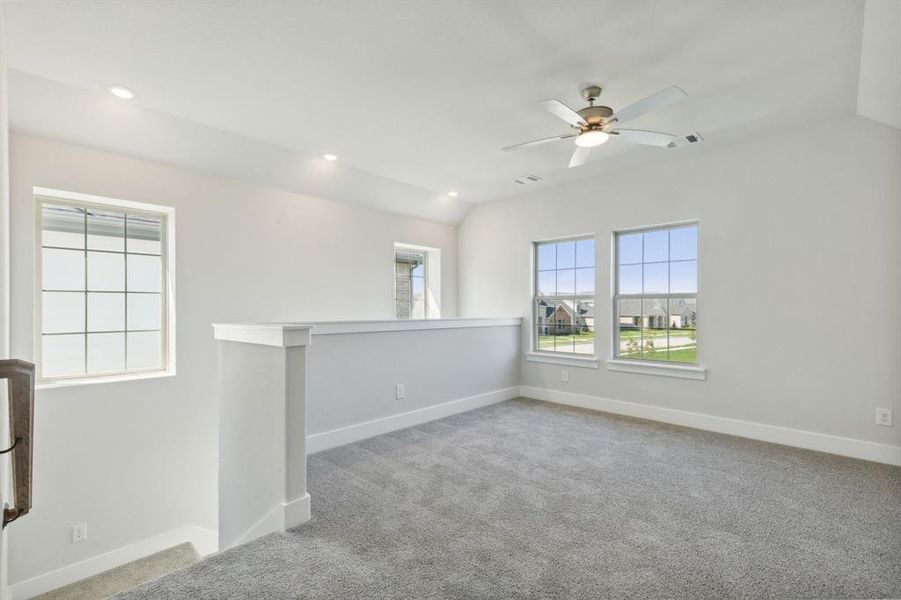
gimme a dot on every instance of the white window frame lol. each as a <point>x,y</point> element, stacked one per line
<point>43,195</point>
<point>682,370</point>
<point>432,279</point>
<point>572,359</point>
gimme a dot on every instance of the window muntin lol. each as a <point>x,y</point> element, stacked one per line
<point>564,296</point>
<point>102,300</point>
<point>655,300</point>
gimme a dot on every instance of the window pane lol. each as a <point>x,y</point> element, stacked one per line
<point>144,273</point>
<point>656,278</point>
<point>629,327</point>
<point>144,350</point>
<point>628,248</point>
<point>566,282</point>
<point>566,255</point>
<point>418,310</point>
<point>547,283</point>
<point>683,335</point>
<point>683,277</point>
<point>62,355</point>
<point>547,257</point>
<point>654,325</point>
<point>144,234</point>
<point>585,253</point>
<point>418,287</point>
<point>683,243</point>
<point>106,352</point>
<point>583,327</point>
<point>106,272</point>
<point>544,311</point>
<point>62,226</point>
<point>106,312</point>
<point>144,311</point>
<point>106,230</point>
<point>63,312</point>
<point>585,281</point>
<point>62,269</point>
<point>630,279</point>
<point>563,339</point>
<point>656,246</point>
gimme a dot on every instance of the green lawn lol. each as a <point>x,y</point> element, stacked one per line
<point>685,354</point>
<point>547,341</point>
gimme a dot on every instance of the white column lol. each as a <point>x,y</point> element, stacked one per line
<point>262,429</point>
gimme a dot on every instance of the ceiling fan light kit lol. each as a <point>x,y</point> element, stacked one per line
<point>596,124</point>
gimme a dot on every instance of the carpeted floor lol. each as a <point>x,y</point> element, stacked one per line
<point>532,500</point>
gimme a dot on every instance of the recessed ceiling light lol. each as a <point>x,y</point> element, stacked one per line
<point>330,157</point>
<point>453,194</point>
<point>121,92</point>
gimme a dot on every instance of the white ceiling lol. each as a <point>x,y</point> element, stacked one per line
<point>424,94</point>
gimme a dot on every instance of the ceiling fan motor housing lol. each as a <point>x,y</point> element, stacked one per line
<point>595,115</point>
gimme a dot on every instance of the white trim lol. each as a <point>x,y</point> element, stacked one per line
<point>282,335</point>
<point>62,383</point>
<point>343,327</point>
<point>798,438</point>
<point>205,541</point>
<point>660,369</point>
<point>586,362</point>
<point>297,334</point>
<point>282,516</point>
<point>318,442</point>
<point>297,511</point>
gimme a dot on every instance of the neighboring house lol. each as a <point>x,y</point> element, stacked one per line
<point>682,314</point>
<point>564,317</point>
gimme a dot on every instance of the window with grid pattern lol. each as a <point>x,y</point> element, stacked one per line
<point>564,296</point>
<point>655,303</point>
<point>102,302</point>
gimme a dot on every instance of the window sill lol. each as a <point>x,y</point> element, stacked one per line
<point>586,362</point>
<point>61,383</point>
<point>663,370</point>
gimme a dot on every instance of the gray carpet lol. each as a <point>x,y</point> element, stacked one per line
<point>531,500</point>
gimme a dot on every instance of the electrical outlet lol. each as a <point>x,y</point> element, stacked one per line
<point>400,391</point>
<point>564,376</point>
<point>884,416</point>
<point>80,532</point>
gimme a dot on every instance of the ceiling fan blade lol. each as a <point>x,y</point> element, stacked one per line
<point>656,101</point>
<point>561,110</point>
<point>646,138</point>
<point>556,138</point>
<point>579,157</point>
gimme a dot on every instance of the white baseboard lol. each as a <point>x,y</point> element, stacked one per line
<point>809,440</point>
<point>281,517</point>
<point>204,540</point>
<point>297,511</point>
<point>318,442</point>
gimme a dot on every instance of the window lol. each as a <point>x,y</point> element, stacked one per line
<point>105,287</point>
<point>417,280</point>
<point>656,310</point>
<point>564,296</point>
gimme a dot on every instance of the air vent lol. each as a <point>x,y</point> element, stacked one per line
<point>527,179</point>
<point>691,138</point>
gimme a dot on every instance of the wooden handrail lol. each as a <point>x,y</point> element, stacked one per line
<point>21,426</point>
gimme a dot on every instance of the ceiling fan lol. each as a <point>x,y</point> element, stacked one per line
<point>596,124</point>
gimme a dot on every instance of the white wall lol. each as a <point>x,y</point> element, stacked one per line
<point>800,236</point>
<point>436,366</point>
<point>138,458</point>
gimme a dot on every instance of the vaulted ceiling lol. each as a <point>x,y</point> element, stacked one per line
<point>416,98</point>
